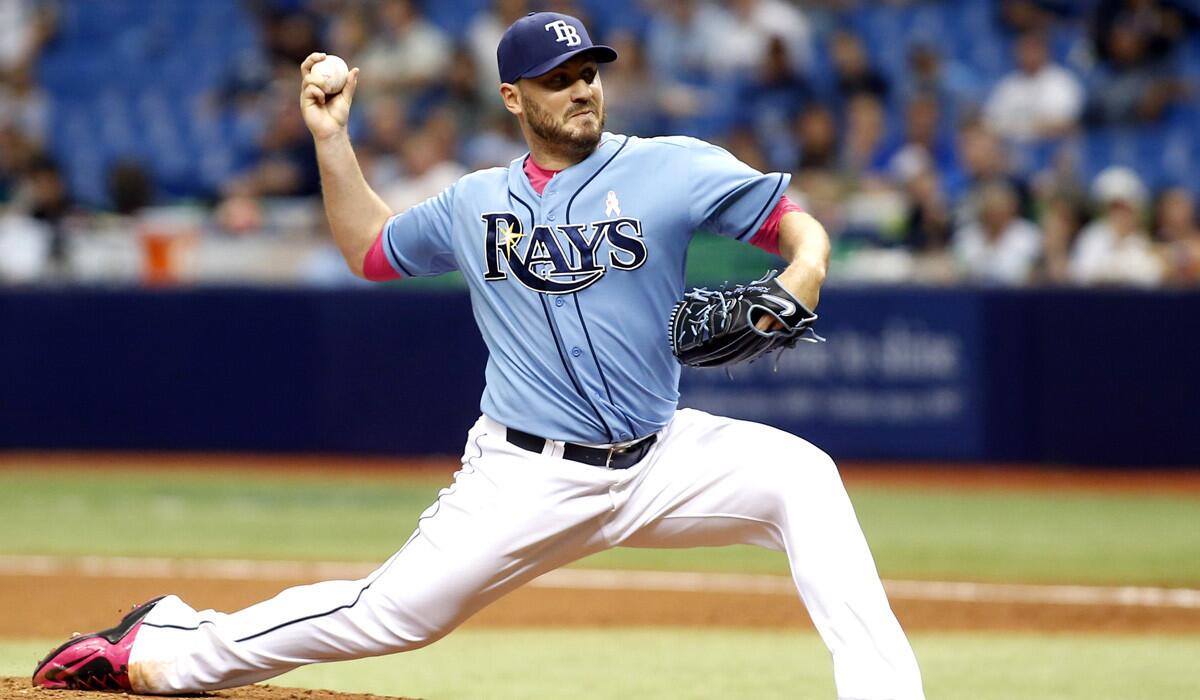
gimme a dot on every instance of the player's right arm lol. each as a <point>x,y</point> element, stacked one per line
<point>356,214</point>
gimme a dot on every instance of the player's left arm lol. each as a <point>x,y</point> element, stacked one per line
<point>804,244</point>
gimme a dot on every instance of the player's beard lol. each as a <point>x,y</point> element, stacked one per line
<point>577,141</point>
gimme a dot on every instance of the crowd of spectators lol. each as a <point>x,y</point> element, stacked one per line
<point>914,173</point>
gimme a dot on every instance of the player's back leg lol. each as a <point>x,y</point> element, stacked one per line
<point>718,481</point>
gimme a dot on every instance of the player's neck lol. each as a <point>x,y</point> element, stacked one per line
<point>551,160</point>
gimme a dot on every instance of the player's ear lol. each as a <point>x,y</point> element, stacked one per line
<point>511,95</point>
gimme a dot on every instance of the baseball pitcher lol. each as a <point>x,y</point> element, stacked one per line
<point>574,255</point>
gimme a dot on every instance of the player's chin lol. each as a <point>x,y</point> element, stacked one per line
<point>583,131</point>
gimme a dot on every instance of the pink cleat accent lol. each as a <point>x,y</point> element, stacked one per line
<point>94,661</point>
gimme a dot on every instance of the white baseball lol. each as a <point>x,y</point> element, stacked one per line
<point>330,74</point>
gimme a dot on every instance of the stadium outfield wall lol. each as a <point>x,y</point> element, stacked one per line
<point>1104,377</point>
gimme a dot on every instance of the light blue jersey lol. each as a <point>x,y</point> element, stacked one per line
<point>572,288</point>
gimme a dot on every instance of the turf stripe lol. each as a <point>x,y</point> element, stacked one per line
<point>678,581</point>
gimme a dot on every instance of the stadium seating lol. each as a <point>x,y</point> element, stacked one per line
<point>147,80</point>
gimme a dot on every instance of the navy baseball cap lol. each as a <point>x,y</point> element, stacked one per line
<point>539,41</point>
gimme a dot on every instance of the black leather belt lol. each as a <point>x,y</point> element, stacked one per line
<point>622,457</point>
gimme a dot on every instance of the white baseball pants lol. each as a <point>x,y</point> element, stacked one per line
<point>512,515</point>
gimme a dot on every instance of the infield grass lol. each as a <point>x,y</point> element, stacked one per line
<point>1083,537</point>
<point>734,663</point>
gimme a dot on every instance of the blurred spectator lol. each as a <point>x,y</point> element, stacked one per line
<point>958,89</point>
<point>1131,86</point>
<point>428,168</point>
<point>387,129</point>
<point>1061,220</point>
<point>1159,26</point>
<point>929,222</point>
<point>348,32</point>
<point>456,95</point>
<point>25,245</point>
<point>25,27</point>
<point>44,194</point>
<point>817,139</point>
<point>36,222</point>
<point>287,164</point>
<point>982,159</point>
<point>23,104</point>
<point>925,144</point>
<point>17,153</point>
<point>998,247</point>
<point>863,149</point>
<point>852,70</point>
<point>769,101</point>
<point>483,35</point>
<point>291,36</point>
<point>1179,232</point>
<point>406,53</point>
<point>680,39</point>
<point>497,144</point>
<point>754,23</point>
<point>630,90</point>
<point>1115,248</point>
<point>1038,100</point>
<point>129,187</point>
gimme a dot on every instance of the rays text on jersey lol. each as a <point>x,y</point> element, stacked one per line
<point>561,259</point>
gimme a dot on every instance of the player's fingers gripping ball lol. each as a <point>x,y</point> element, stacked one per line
<point>712,328</point>
<point>330,74</point>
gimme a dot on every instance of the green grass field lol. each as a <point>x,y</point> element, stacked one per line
<point>970,535</point>
<point>923,533</point>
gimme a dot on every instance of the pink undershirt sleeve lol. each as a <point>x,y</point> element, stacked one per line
<point>375,264</point>
<point>767,237</point>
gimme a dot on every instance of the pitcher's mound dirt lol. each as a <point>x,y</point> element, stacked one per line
<point>19,689</point>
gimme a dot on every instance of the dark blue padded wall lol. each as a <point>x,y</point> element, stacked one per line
<point>1095,377</point>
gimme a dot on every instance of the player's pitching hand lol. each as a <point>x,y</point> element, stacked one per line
<point>325,115</point>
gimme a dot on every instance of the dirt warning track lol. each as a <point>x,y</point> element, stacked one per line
<point>580,598</point>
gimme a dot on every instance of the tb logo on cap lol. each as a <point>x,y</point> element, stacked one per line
<point>565,32</point>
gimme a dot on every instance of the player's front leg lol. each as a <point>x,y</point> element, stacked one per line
<point>506,519</point>
<point>717,481</point>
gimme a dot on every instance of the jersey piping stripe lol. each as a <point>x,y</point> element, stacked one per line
<point>395,255</point>
<point>771,201</point>
<point>558,344</point>
<point>579,305</point>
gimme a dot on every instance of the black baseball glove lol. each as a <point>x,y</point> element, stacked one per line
<point>715,328</point>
